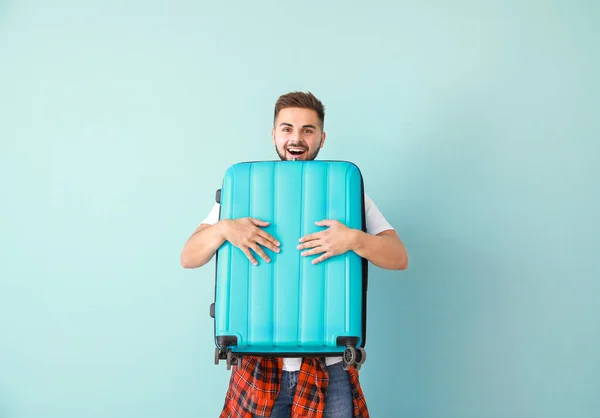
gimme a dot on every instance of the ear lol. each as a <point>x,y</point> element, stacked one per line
<point>323,137</point>
<point>273,135</point>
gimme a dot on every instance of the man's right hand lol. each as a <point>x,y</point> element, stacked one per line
<point>245,234</point>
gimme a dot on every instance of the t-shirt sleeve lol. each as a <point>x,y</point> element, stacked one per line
<point>375,220</point>
<point>213,216</point>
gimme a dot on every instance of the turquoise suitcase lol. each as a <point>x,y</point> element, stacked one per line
<point>291,307</point>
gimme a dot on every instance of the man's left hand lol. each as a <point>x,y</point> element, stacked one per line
<point>337,239</point>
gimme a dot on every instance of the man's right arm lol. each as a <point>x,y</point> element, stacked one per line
<point>202,245</point>
<point>245,234</point>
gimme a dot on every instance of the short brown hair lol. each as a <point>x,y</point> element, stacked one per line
<point>302,100</point>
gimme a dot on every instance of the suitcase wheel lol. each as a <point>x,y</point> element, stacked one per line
<point>230,358</point>
<point>354,357</point>
<point>218,196</point>
<point>225,352</point>
<point>362,357</point>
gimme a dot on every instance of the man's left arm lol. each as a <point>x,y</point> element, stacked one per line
<point>384,250</point>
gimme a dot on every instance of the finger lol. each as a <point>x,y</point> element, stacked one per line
<point>317,250</point>
<point>322,258</point>
<point>325,222</point>
<point>268,237</point>
<point>309,244</point>
<point>311,237</point>
<point>259,222</point>
<point>266,243</point>
<point>260,252</point>
<point>249,255</point>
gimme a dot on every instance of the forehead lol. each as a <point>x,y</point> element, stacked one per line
<point>297,116</point>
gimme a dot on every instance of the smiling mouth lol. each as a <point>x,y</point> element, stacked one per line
<point>296,152</point>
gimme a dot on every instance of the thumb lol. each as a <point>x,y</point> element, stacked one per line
<point>258,222</point>
<point>324,222</point>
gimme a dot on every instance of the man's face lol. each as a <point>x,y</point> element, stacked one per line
<point>297,134</point>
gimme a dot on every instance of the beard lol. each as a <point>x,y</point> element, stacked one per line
<point>284,155</point>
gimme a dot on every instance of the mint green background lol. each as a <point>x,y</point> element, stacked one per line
<point>475,125</point>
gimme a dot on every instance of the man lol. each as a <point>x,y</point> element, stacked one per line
<point>310,387</point>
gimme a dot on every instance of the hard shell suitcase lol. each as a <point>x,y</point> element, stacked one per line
<point>291,307</point>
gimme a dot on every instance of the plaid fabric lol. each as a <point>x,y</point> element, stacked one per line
<point>254,385</point>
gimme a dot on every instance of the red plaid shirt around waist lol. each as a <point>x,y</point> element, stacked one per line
<point>254,386</point>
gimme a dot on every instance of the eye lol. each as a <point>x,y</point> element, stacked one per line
<point>286,129</point>
<point>308,131</point>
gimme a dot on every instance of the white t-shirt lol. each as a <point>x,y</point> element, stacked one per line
<point>375,222</point>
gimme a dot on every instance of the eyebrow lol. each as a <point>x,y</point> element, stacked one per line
<point>289,124</point>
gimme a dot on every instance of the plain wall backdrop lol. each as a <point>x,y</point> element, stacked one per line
<point>476,127</point>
